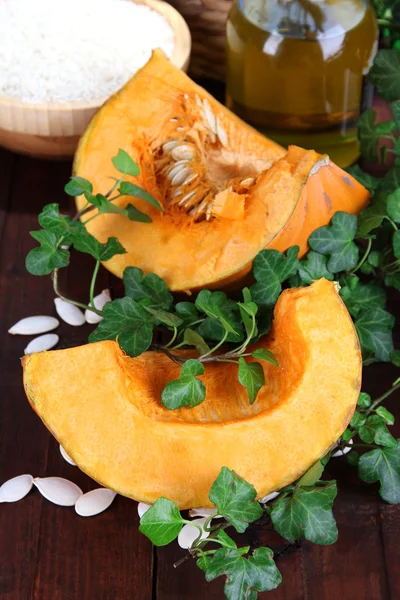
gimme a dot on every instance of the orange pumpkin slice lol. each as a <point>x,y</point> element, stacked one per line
<point>104,407</point>
<point>227,191</point>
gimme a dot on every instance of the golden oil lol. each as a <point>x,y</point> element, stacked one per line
<point>295,70</point>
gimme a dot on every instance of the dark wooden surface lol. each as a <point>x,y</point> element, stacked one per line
<point>50,553</point>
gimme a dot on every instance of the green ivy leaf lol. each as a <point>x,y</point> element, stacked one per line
<point>235,499</point>
<point>385,73</point>
<point>162,522</point>
<point>218,306</point>
<point>142,287</point>
<point>213,330</point>
<point>383,465</point>
<point>187,390</point>
<point>396,244</point>
<point>385,414</point>
<point>77,186</point>
<point>251,376</point>
<point>313,267</point>
<point>367,180</point>
<point>61,225</point>
<point>368,135</point>
<point>48,256</point>
<point>270,269</point>
<point>312,475</point>
<point>245,576</point>
<point>192,338</point>
<point>308,513</point>
<point>353,458</point>
<point>374,328</point>
<point>395,357</point>
<point>396,113</point>
<point>85,242</point>
<point>391,179</point>
<point>364,400</point>
<point>369,429</point>
<point>125,164</point>
<point>127,188</point>
<point>372,216</point>
<point>264,354</point>
<point>336,241</point>
<point>128,322</point>
<point>362,296</point>
<point>164,317</point>
<point>357,420</point>
<point>188,312</point>
<point>393,206</point>
<point>393,281</point>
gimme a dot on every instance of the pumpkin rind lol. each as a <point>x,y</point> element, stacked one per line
<point>255,195</point>
<point>104,407</point>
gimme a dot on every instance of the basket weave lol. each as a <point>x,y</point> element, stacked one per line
<point>206,20</point>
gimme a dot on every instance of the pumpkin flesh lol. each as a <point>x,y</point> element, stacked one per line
<point>104,407</point>
<point>227,191</point>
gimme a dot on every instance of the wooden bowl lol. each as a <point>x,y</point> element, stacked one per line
<point>52,129</point>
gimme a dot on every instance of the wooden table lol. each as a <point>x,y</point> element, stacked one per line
<point>50,553</point>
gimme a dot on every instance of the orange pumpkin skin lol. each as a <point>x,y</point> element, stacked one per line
<point>242,193</point>
<point>104,407</point>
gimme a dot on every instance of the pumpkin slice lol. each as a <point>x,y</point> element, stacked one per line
<point>104,407</point>
<point>227,191</point>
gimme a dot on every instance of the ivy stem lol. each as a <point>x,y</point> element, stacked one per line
<point>393,224</point>
<point>395,386</point>
<point>66,299</point>
<point>358,446</point>
<point>171,341</point>
<point>220,358</point>
<point>364,258</point>
<point>201,359</point>
<point>93,282</point>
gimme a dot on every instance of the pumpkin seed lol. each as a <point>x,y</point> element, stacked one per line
<point>168,146</point>
<point>189,533</point>
<point>187,197</point>
<point>204,512</point>
<point>180,177</point>
<point>248,182</point>
<point>42,343</point>
<point>342,452</point>
<point>142,507</point>
<point>176,193</point>
<point>190,179</point>
<point>99,302</point>
<point>58,490</point>
<point>34,325</point>
<point>209,115</point>
<point>94,502</point>
<point>175,170</point>
<point>221,133</point>
<point>16,488</point>
<point>184,151</point>
<point>269,497</point>
<point>69,313</point>
<point>66,456</point>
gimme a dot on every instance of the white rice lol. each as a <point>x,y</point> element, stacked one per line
<point>64,50</point>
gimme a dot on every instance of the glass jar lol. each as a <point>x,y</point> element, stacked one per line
<point>295,70</point>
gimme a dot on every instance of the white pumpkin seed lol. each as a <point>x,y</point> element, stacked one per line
<point>168,146</point>
<point>182,152</point>
<point>34,325</point>
<point>99,302</point>
<point>142,508</point>
<point>173,119</point>
<point>175,170</point>
<point>189,533</point>
<point>42,343</point>
<point>269,497</point>
<point>16,488</point>
<point>176,193</point>
<point>187,197</point>
<point>209,115</point>
<point>198,100</point>
<point>94,502</point>
<point>69,313</point>
<point>67,457</point>
<point>190,179</point>
<point>58,490</point>
<point>180,129</point>
<point>342,452</point>
<point>248,182</point>
<point>204,512</point>
<point>221,133</point>
<point>180,177</point>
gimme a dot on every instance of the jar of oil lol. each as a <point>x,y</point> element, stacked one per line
<point>295,70</point>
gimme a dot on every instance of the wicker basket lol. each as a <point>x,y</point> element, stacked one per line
<point>206,20</point>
